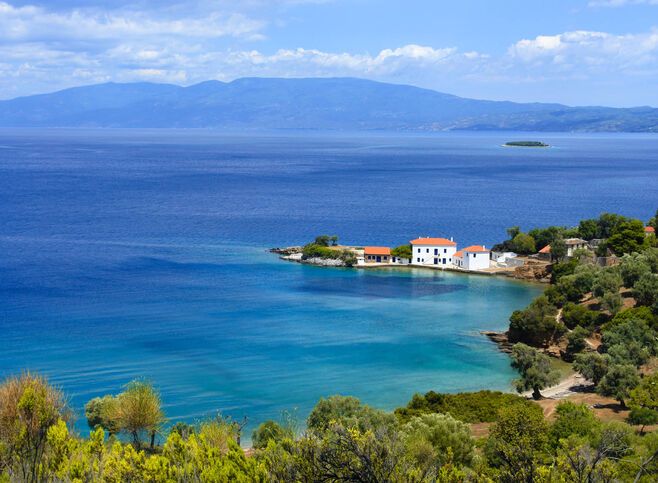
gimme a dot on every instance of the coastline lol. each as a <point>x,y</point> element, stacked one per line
<point>531,271</point>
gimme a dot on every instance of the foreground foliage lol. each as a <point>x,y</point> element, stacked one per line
<point>345,441</point>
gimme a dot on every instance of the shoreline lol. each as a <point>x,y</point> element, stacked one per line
<point>531,272</point>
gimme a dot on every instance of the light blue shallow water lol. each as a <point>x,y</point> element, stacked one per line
<point>142,253</point>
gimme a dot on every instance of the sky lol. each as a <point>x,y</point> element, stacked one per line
<point>576,52</point>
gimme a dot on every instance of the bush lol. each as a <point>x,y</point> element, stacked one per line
<point>612,302</point>
<point>645,290</point>
<point>313,250</point>
<point>517,443</point>
<point>523,244</point>
<point>537,324</point>
<point>618,382</point>
<point>403,251</point>
<point>632,268</point>
<point>349,412</point>
<point>563,269</point>
<point>29,409</point>
<point>573,419</point>
<point>575,315</point>
<point>469,407</point>
<point>592,366</point>
<point>576,340</point>
<point>269,431</point>
<point>630,342</point>
<point>102,412</point>
<point>570,289</point>
<point>450,439</point>
<point>627,237</point>
<point>636,313</point>
<point>607,280</point>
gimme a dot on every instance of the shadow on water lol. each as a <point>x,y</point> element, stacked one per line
<point>378,286</point>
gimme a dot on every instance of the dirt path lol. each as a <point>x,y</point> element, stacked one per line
<point>573,384</point>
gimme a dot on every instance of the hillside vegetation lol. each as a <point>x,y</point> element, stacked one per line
<point>344,441</point>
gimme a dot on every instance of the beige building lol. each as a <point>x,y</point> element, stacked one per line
<point>377,255</point>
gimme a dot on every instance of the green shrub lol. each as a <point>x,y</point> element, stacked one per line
<point>469,407</point>
<point>575,315</point>
<point>576,340</point>
<point>403,251</point>
<point>535,325</point>
<point>313,250</point>
<point>269,431</point>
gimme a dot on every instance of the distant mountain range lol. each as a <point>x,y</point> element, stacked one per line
<point>338,103</point>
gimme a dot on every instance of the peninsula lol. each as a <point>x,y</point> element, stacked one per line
<point>526,144</point>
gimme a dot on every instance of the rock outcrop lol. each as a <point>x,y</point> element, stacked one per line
<point>533,270</point>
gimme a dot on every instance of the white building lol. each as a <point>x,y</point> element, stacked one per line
<point>437,252</point>
<point>475,257</point>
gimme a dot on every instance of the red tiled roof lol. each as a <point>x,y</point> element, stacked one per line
<point>377,251</point>
<point>649,229</point>
<point>476,249</point>
<point>433,241</point>
<point>459,254</point>
<point>546,249</point>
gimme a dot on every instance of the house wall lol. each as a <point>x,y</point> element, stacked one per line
<point>374,258</point>
<point>426,255</point>
<point>572,248</point>
<point>476,261</point>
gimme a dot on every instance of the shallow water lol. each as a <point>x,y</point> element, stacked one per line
<point>142,253</point>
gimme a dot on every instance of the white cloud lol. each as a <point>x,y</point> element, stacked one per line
<point>32,23</point>
<point>587,51</point>
<point>620,3</point>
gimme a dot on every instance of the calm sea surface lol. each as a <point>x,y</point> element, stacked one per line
<point>142,253</point>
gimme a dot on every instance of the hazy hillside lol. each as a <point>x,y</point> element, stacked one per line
<point>341,103</point>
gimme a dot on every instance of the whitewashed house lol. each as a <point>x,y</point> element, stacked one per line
<point>437,252</point>
<point>475,257</point>
<point>574,244</point>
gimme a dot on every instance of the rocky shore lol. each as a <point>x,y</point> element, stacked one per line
<point>500,339</point>
<point>294,254</point>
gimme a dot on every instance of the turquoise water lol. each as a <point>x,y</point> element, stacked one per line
<point>143,254</point>
<point>234,329</point>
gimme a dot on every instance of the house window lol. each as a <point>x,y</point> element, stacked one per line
<point>445,250</point>
<point>419,251</point>
<point>427,250</point>
<point>444,261</point>
<point>436,251</point>
<point>436,261</point>
<point>474,255</point>
<point>418,259</point>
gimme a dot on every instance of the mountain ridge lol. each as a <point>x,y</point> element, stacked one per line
<point>306,103</point>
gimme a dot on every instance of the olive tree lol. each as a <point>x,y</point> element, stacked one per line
<point>534,368</point>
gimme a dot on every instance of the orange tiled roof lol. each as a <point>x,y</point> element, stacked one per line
<point>476,249</point>
<point>377,251</point>
<point>546,249</point>
<point>649,229</point>
<point>459,254</point>
<point>433,241</point>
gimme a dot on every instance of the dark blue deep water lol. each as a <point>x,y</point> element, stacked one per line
<point>142,253</point>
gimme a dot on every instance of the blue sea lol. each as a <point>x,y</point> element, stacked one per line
<point>143,253</point>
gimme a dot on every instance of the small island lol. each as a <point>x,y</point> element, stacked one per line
<point>526,144</point>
